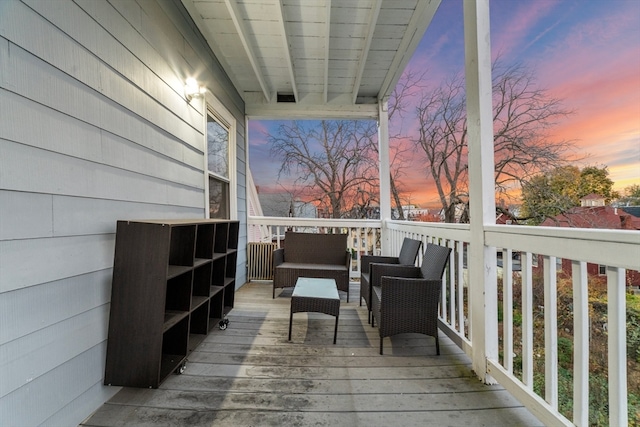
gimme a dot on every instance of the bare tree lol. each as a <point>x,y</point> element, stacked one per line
<point>443,138</point>
<point>523,114</point>
<point>409,84</point>
<point>332,161</point>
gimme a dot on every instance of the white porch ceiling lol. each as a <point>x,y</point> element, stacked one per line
<point>303,58</point>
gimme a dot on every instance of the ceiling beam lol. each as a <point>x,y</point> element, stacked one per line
<point>327,41</point>
<point>215,47</point>
<point>420,20</point>
<point>373,19</point>
<point>285,46</point>
<point>238,22</point>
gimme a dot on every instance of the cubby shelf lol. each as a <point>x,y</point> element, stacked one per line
<point>173,281</point>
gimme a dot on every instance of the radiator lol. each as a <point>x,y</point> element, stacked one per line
<point>260,260</point>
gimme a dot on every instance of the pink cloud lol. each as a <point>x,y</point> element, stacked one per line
<point>257,133</point>
<point>518,29</point>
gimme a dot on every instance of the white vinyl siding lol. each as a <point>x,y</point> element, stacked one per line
<point>94,128</point>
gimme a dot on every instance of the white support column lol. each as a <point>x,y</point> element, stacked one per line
<point>482,266</point>
<point>385,172</point>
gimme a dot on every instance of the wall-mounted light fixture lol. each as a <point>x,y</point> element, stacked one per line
<point>193,90</point>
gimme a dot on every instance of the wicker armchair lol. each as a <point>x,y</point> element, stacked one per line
<point>407,256</point>
<point>405,299</point>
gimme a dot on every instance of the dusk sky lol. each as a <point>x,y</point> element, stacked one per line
<point>585,52</point>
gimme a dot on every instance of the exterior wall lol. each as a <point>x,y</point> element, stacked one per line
<point>94,127</point>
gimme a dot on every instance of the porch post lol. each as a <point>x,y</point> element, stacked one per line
<point>385,171</point>
<point>482,265</point>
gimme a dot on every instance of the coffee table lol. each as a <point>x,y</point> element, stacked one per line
<point>318,296</point>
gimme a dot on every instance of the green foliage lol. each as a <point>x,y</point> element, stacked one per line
<point>633,302</point>
<point>596,180</point>
<point>632,191</point>
<point>549,194</point>
<point>517,318</point>
<point>631,196</point>
<point>598,385</point>
<point>598,400</point>
<point>633,335</point>
<point>565,351</point>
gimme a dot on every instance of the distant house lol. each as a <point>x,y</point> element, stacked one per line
<point>506,217</point>
<point>594,214</point>
<point>592,200</point>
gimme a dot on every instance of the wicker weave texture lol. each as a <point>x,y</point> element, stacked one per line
<point>403,305</point>
<point>328,306</point>
<point>312,255</point>
<point>405,301</point>
<point>408,254</point>
<point>308,303</point>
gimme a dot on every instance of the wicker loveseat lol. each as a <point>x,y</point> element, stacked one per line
<point>312,255</point>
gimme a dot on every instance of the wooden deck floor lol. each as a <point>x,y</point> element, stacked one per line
<point>250,375</point>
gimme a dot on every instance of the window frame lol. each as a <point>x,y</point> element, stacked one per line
<point>220,114</point>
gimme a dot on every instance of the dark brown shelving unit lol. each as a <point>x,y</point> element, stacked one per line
<point>173,282</point>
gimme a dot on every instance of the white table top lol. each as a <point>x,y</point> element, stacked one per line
<point>316,288</point>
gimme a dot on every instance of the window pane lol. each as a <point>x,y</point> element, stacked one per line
<point>218,199</point>
<point>217,148</point>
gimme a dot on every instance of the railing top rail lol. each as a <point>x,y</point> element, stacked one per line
<point>439,229</point>
<point>615,236</point>
<point>313,222</point>
<point>616,248</point>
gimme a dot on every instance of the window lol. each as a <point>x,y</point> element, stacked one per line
<point>602,270</point>
<point>220,150</point>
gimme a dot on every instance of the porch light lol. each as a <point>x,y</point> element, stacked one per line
<point>193,90</point>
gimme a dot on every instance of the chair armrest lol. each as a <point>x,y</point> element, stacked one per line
<point>278,257</point>
<point>367,260</point>
<point>394,270</point>
<point>348,259</point>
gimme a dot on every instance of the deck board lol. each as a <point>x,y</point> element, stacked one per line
<point>251,375</point>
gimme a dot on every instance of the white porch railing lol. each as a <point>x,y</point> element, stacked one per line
<point>617,250</point>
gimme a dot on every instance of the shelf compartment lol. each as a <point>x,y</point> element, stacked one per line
<point>230,270</point>
<point>221,238</point>
<point>182,245</point>
<point>195,340</point>
<point>201,261</point>
<point>216,309</point>
<point>175,342</point>
<point>199,320</point>
<point>197,301</point>
<point>204,240</point>
<point>176,270</point>
<point>229,294</point>
<point>202,280</point>
<point>219,270</point>
<point>172,317</point>
<point>178,294</point>
<point>234,227</point>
